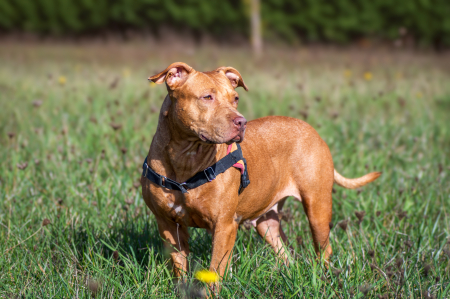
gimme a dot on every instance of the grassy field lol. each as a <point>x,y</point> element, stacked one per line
<point>76,123</point>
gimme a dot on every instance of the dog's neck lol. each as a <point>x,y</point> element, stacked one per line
<point>177,155</point>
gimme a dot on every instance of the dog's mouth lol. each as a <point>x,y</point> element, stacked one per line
<point>238,139</point>
<point>204,139</point>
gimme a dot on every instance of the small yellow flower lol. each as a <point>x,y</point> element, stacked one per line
<point>368,76</point>
<point>126,73</point>
<point>207,276</point>
<point>62,80</point>
<point>419,95</point>
<point>347,74</point>
<point>152,84</point>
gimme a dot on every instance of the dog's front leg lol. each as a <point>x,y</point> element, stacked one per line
<point>176,238</point>
<point>224,236</point>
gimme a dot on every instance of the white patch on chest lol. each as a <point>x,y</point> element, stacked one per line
<point>178,209</point>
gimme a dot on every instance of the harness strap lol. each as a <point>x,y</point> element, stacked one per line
<point>201,177</point>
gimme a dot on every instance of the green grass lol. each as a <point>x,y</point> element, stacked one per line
<point>81,173</point>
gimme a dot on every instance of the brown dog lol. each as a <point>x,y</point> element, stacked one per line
<point>285,157</point>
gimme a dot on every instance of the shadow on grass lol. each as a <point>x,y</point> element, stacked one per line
<point>135,239</point>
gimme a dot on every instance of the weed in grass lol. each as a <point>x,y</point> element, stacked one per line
<point>116,255</point>
<point>337,272</point>
<point>426,270</point>
<point>37,103</point>
<point>22,166</point>
<point>360,215</point>
<point>93,286</point>
<point>115,126</point>
<point>408,244</point>
<point>364,289</point>
<point>402,214</point>
<point>343,224</point>
<point>428,295</point>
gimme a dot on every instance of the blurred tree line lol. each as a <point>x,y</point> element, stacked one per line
<point>426,22</point>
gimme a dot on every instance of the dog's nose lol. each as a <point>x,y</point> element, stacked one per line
<point>240,122</point>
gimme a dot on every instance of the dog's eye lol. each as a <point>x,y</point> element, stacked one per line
<point>236,99</point>
<point>208,97</point>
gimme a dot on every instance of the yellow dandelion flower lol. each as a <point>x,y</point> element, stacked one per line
<point>62,80</point>
<point>419,95</point>
<point>207,276</point>
<point>152,84</point>
<point>347,74</point>
<point>368,76</point>
<point>126,73</point>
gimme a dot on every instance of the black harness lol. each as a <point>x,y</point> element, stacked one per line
<point>202,177</point>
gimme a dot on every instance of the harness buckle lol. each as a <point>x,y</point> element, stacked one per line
<point>146,169</point>
<point>209,173</point>
<point>162,181</point>
<point>184,188</point>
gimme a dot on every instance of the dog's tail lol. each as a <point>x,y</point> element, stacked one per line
<point>355,183</point>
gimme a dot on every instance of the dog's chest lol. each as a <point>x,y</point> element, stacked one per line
<point>170,204</point>
<point>187,209</point>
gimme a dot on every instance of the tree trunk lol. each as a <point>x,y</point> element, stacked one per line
<point>256,27</point>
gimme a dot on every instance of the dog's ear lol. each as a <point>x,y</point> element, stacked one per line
<point>234,76</point>
<point>174,75</point>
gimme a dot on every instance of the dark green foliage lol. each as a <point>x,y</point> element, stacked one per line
<point>310,20</point>
<point>340,21</point>
<point>344,20</point>
<point>70,16</point>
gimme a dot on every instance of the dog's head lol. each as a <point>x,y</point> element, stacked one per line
<point>204,104</point>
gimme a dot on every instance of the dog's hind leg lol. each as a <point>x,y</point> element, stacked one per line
<point>318,208</point>
<point>282,234</point>
<point>269,227</point>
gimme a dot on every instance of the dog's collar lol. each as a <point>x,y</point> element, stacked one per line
<point>234,158</point>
